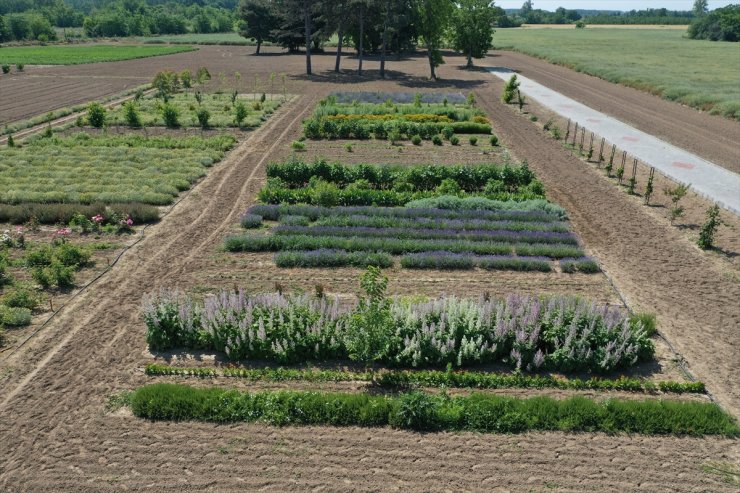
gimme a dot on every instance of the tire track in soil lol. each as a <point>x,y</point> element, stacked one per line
<point>654,266</point>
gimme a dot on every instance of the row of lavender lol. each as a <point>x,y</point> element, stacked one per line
<point>528,333</point>
<point>454,233</point>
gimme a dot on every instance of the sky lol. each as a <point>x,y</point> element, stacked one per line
<point>612,4</point>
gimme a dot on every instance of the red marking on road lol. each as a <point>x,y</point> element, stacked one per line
<point>629,138</point>
<point>593,120</point>
<point>682,165</point>
<point>569,106</point>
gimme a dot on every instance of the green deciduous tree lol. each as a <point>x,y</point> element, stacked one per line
<point>701,7</point>
<point>472,28</point>
<point>432,19</point>
<point>259,20</point>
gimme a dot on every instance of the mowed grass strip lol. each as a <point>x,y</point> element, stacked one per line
<point>75,55</point>
<point>701,74</point>
<point>419,411</point>
<point>59,173</point>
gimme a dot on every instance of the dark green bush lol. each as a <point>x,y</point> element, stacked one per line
<point>437,140</point>
<point>416,140</point>
<point>96,115</point>
<point>170,115</point>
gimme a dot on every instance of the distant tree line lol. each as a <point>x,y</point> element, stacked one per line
<point>380,27</point>
<point>647,16</point>
<point>35,19</point>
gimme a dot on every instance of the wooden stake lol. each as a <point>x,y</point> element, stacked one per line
<point>611,158</point>
<point>575,134</point>
<point>634,168</point>
<point>601,150</point>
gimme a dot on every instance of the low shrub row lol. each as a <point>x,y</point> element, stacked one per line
<point>493,235</point>
<point>435,378</point>
<point>456,261</point>
<point>418,411</point>
<point>368,221</point>
<point>394,246</point>
<point>63,213</point>
<point>474,208</point>
<point>586,265</point>
<point>558,333</point>
<point>298,174</point>
<point>322,193</point>
<point>332,258</point>
<point>332,128</point>
<point>221,143</point>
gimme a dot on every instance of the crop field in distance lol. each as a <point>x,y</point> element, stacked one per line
<point>74,55</point>
<point>692,72</point>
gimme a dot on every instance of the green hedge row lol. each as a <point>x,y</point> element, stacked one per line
<point>419,411</point>
<point>297,174</point>
<point>321,128</point>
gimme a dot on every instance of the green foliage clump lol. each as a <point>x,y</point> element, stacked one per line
<point>722,24</point>
<point>511,89</point>
<point>203,115</point>
<point>131,114</point>
<point>170,115</point>
<point>709,228</point>
<point>437,140</point>
<point>416,140</point>
<point>14,316</point>
<point>96,115</point>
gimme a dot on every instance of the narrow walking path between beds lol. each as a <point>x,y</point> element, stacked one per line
<point>706,178</point>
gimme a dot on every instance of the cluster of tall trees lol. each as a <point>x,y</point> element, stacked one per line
<point>718,25</point>
<point>380,27</point>
<point>35,19</point>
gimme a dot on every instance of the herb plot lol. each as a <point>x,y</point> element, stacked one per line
<point>221,108</point>
<point>328,215</point>
<point>395,118</point>
<point>126,169</point>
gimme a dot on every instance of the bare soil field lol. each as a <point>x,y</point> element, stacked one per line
<point>57,433</point>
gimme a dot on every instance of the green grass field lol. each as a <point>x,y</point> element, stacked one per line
<point>199,38</point>
<point>702,74</point>
<point>74,55</point>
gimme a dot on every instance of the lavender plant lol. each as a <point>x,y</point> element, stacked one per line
<point>528,333</point>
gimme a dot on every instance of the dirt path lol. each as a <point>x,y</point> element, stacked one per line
<point>55,434</point>
<point>711,137</point>
<point>654,266</point>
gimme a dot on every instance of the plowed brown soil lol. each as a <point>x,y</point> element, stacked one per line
<point>55,433</point>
